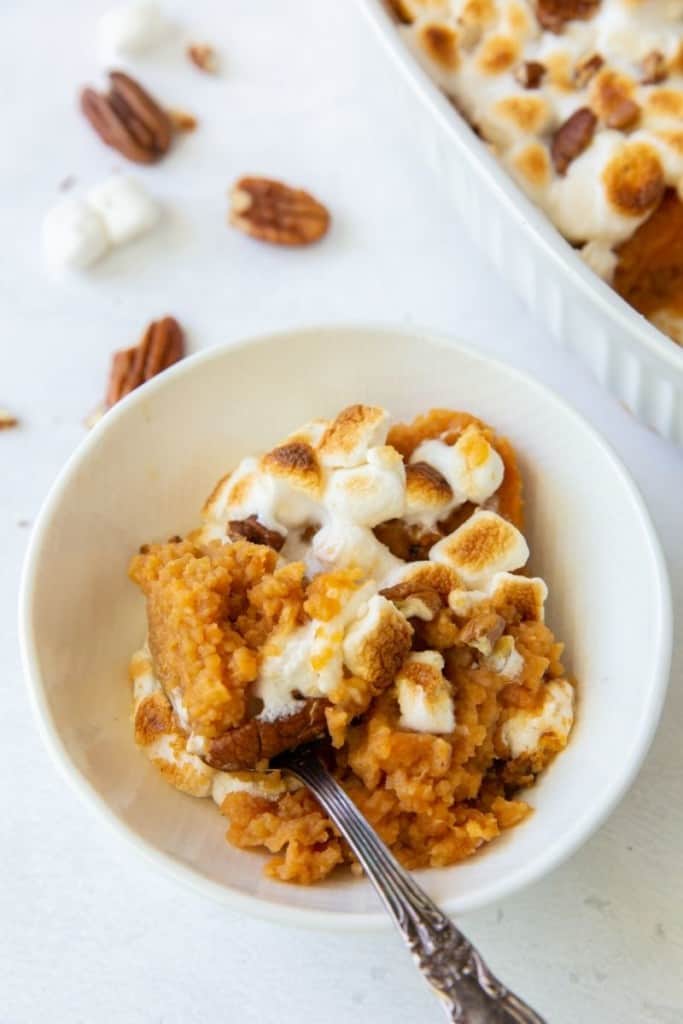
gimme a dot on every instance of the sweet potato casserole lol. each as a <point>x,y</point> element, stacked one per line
<point>361,583</point>
<point>582,102</point>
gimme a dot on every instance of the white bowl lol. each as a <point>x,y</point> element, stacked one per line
<point>638,364</point>
<point>143,473</point>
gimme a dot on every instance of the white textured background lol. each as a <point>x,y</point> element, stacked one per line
<point>87,933</point>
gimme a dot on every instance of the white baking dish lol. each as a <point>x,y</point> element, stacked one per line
<point>631,358</point>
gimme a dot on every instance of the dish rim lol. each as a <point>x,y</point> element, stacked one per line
<point>531,219</point>
<point>551,857</point>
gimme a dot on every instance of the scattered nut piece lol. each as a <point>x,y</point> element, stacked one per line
<point>161,345</point>
<point>203,57</point>
<point>585,69</point>
<point>553,14</point>
<point>128,119</point>
<point>530,74</point>
<point>572,137</point>
<point>252,530</point>
<point>182,121</point>
<point>7,420</point>
<point>273,212</point>
<point>654,68</point>
<point>243,746</point>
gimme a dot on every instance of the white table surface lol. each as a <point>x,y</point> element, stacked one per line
<point>87,932</point>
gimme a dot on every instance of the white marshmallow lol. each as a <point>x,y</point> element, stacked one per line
<point>130,29</point>
<point>126,208</point>
<point>341,545</point>
<point>372,623</point>
<point>348,438</point>
<point>601,258</point>
<point>523,731</point>
<point>74,235</point>
<point>369,494</point>
<point>225,783</point>
<point>425,709</point>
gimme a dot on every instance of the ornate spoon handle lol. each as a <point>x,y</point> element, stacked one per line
<point>470,993</point>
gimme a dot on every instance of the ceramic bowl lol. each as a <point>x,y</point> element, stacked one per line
<point>143,473</point>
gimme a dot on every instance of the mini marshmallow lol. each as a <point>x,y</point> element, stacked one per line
<point>472,467</point>
<point>126,208</point>
<point>347,439</point>
<point>601,258</point>
<point>368,494</point>
<point>485,544</point>
<point>341,545</point>
<point>428,496</point>
<point>74,235</point>
<point>130,28</point>
<point>424,696</point>
<point>266,785</point>
<point>522,732</point>
<point>523,595</point>
<point>246,492</point>
<point>376,643</point>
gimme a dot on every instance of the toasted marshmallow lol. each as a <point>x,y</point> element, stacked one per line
<point>371,493</point>
<point>416,577</point>
<point>130,29</point>
<point>505,659</point>
<point>424,696</point>
<point>74,235</point>
<point>246,492</point>
<point>484,545</point>
<point>125,206</point>
<point>377,642</point>
<point>298,483</point>
<point>464,602</point>
<point>346,441</point>
<point>308,662</point>
<point>310,433</point>
<point>472,467</point>
<point>342,545</point>
<point>522,732</point>
<point>522,596</point>
<point>266,785</point>
<point>428,495</point>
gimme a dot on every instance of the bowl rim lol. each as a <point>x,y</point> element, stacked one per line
<point>530,218</point>
<point>549,858</point>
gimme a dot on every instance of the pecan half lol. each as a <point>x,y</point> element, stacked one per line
<point>273,212</point>
<point>244,746</point>
<point>530,74</point>
<point>572,137</point>
<point>203,57</point>
<point>128,119</point>
<point>161,345</point>
<point>554,14</point>
<point>654,68</point>
<point>585,69</point>
<point>250,529</point>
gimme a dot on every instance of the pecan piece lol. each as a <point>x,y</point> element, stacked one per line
<point>256,533</point>
<point>530,74</point>
<point>128,119</point>
<point>572,137</point>
<point>161,345</point>
<point>554,14</point>
<point>585,69</point>
<point>244,746</point>
<point>182,121</point>
<point>7,420</point>
<point>483,631</point>
<point>654,68</point>
<point>203,57</point>
<point>274,212</point>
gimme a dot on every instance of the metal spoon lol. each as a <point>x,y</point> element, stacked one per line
<point>469,992</point>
